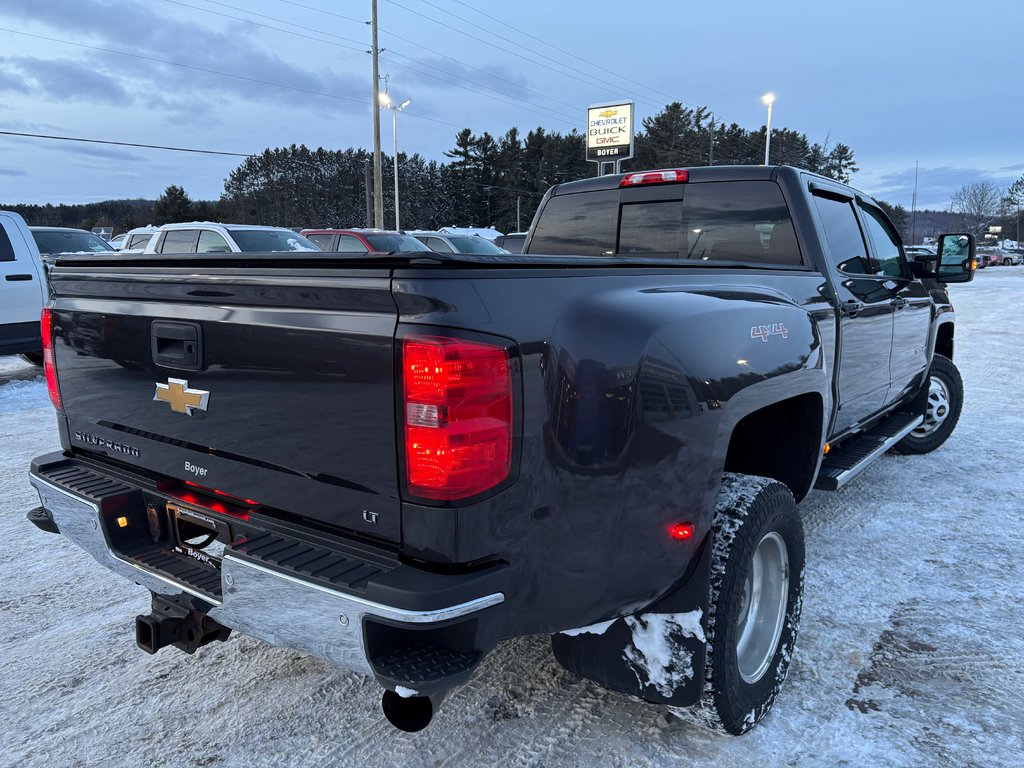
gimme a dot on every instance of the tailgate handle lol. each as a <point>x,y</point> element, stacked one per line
<point>17,278</point>
<point>177,345</point>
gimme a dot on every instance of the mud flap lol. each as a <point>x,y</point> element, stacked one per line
<point>656,654</point>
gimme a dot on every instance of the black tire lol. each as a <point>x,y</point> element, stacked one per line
<point>36,358</point>
<point>750,510</point>
<point>943,410</point>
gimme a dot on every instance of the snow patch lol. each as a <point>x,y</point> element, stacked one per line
<point>657,654</point>
<point>405,693</point>
<point>594,629</point>
<point>17,395</point>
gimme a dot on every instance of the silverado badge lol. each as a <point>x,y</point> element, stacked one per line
<point>181,399</point>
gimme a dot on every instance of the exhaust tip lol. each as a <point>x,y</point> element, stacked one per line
<point>411,714</point>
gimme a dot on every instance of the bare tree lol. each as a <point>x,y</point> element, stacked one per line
<point>977,203</point>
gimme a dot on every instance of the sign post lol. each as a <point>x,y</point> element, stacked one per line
<point>609,134</point>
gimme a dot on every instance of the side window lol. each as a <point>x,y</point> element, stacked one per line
<point>179,241</point>
<point>846,247</point>
<point>887,243</point>
<point>211,242</point>
<point>6,249</point>
<point>349,244</point>
<point>438,245</point>
<point>323,242</point>
<point>138,241</point>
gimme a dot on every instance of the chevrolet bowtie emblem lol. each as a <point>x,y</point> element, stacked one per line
<point>181,399</point>
<point>609,113</point>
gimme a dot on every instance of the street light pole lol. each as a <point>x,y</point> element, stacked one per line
<point>395,109</point>
<point>768,99</point>
<point>378,202</point>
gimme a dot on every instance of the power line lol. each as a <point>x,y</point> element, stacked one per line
<point>124,144</point>
<point>217,72</point>
<point>663,94</point>
<point>588,81</point>
<point>265,26</point>
<point>328,42</point>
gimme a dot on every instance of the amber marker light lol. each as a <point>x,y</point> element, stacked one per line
<point>122,522</point>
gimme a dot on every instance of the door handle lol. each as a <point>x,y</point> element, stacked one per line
<point>851,306</point>
<point>899,302</point>
<point>17,278</point>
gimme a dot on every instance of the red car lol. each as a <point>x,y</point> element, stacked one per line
<point>363,240</point>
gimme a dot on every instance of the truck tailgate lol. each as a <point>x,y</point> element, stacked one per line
<point>273,384</point>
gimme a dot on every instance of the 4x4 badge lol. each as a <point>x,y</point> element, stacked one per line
<point>181,399</point>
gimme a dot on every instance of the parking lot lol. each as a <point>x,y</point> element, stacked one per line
<point>911,649</point>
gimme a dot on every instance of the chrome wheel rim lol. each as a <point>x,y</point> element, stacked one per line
<point>938,408</point>
<point>762,607</point>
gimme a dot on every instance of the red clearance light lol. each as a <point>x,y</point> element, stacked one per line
<point>654,177</point>
<point>458,416</point>
<point>46,331</point>
<point>682,531</point>
<point>230,497</point>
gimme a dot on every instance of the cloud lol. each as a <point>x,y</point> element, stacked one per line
<point>12,171</point>
<point>68,80</point>
<point>935,186</point>
<point>23,126</point>
<point>446,74</point>
<point>193,43</point>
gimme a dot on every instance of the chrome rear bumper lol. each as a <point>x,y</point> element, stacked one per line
<point>255,600</point>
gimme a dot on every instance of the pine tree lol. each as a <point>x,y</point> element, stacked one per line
<point>173,206</point>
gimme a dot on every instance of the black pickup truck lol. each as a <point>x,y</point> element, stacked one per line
<point>395,461</point>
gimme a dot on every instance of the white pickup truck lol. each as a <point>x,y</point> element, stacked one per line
<point>23,289</point>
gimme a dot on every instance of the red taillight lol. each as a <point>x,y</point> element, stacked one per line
<point>458,416</point>
<point>682,531</point>
<point>46,331</point>
<point>654,177</point>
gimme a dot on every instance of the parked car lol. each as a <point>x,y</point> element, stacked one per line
<point>363,240</point>
<point>919,250</point>
<point>134,239</point>
<point>212,237</point>
<point>444,243</point>
<point>68,240</point>
<point>512,242</point>
<point>1011,258</point>
<point>23,290</point>
<point>988,256</point>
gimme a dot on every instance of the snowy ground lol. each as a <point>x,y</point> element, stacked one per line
<point>911,650</point>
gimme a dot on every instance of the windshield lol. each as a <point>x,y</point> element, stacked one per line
<point>269,240</point>
<point>474,245</point>
<point>56,241</point>
<point>395,243</point>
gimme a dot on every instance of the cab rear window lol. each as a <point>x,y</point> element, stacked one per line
<point>725,221</point>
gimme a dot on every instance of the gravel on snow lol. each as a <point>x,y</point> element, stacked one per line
<point>911,649</point>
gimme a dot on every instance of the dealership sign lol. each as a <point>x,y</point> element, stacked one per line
<point>610,132</point>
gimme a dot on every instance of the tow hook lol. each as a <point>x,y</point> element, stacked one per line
<point>177,622</point>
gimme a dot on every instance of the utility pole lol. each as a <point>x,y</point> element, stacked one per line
<point>369,194</point>
<point>519,224</point>
<point>913,209</point>
<point>711,146</point>
<point>378,197</point>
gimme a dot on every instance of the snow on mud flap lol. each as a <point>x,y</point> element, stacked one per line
<point>717,648</point>
<point>756,588</point>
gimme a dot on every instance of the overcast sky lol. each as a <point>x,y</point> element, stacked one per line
<point>899,82</point>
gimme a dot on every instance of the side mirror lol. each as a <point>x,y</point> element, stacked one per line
<point>923,265</point>
<point>957,261</point>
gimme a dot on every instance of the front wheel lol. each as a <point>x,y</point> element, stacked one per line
<point>757,573</point>
<point>945,400</point>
